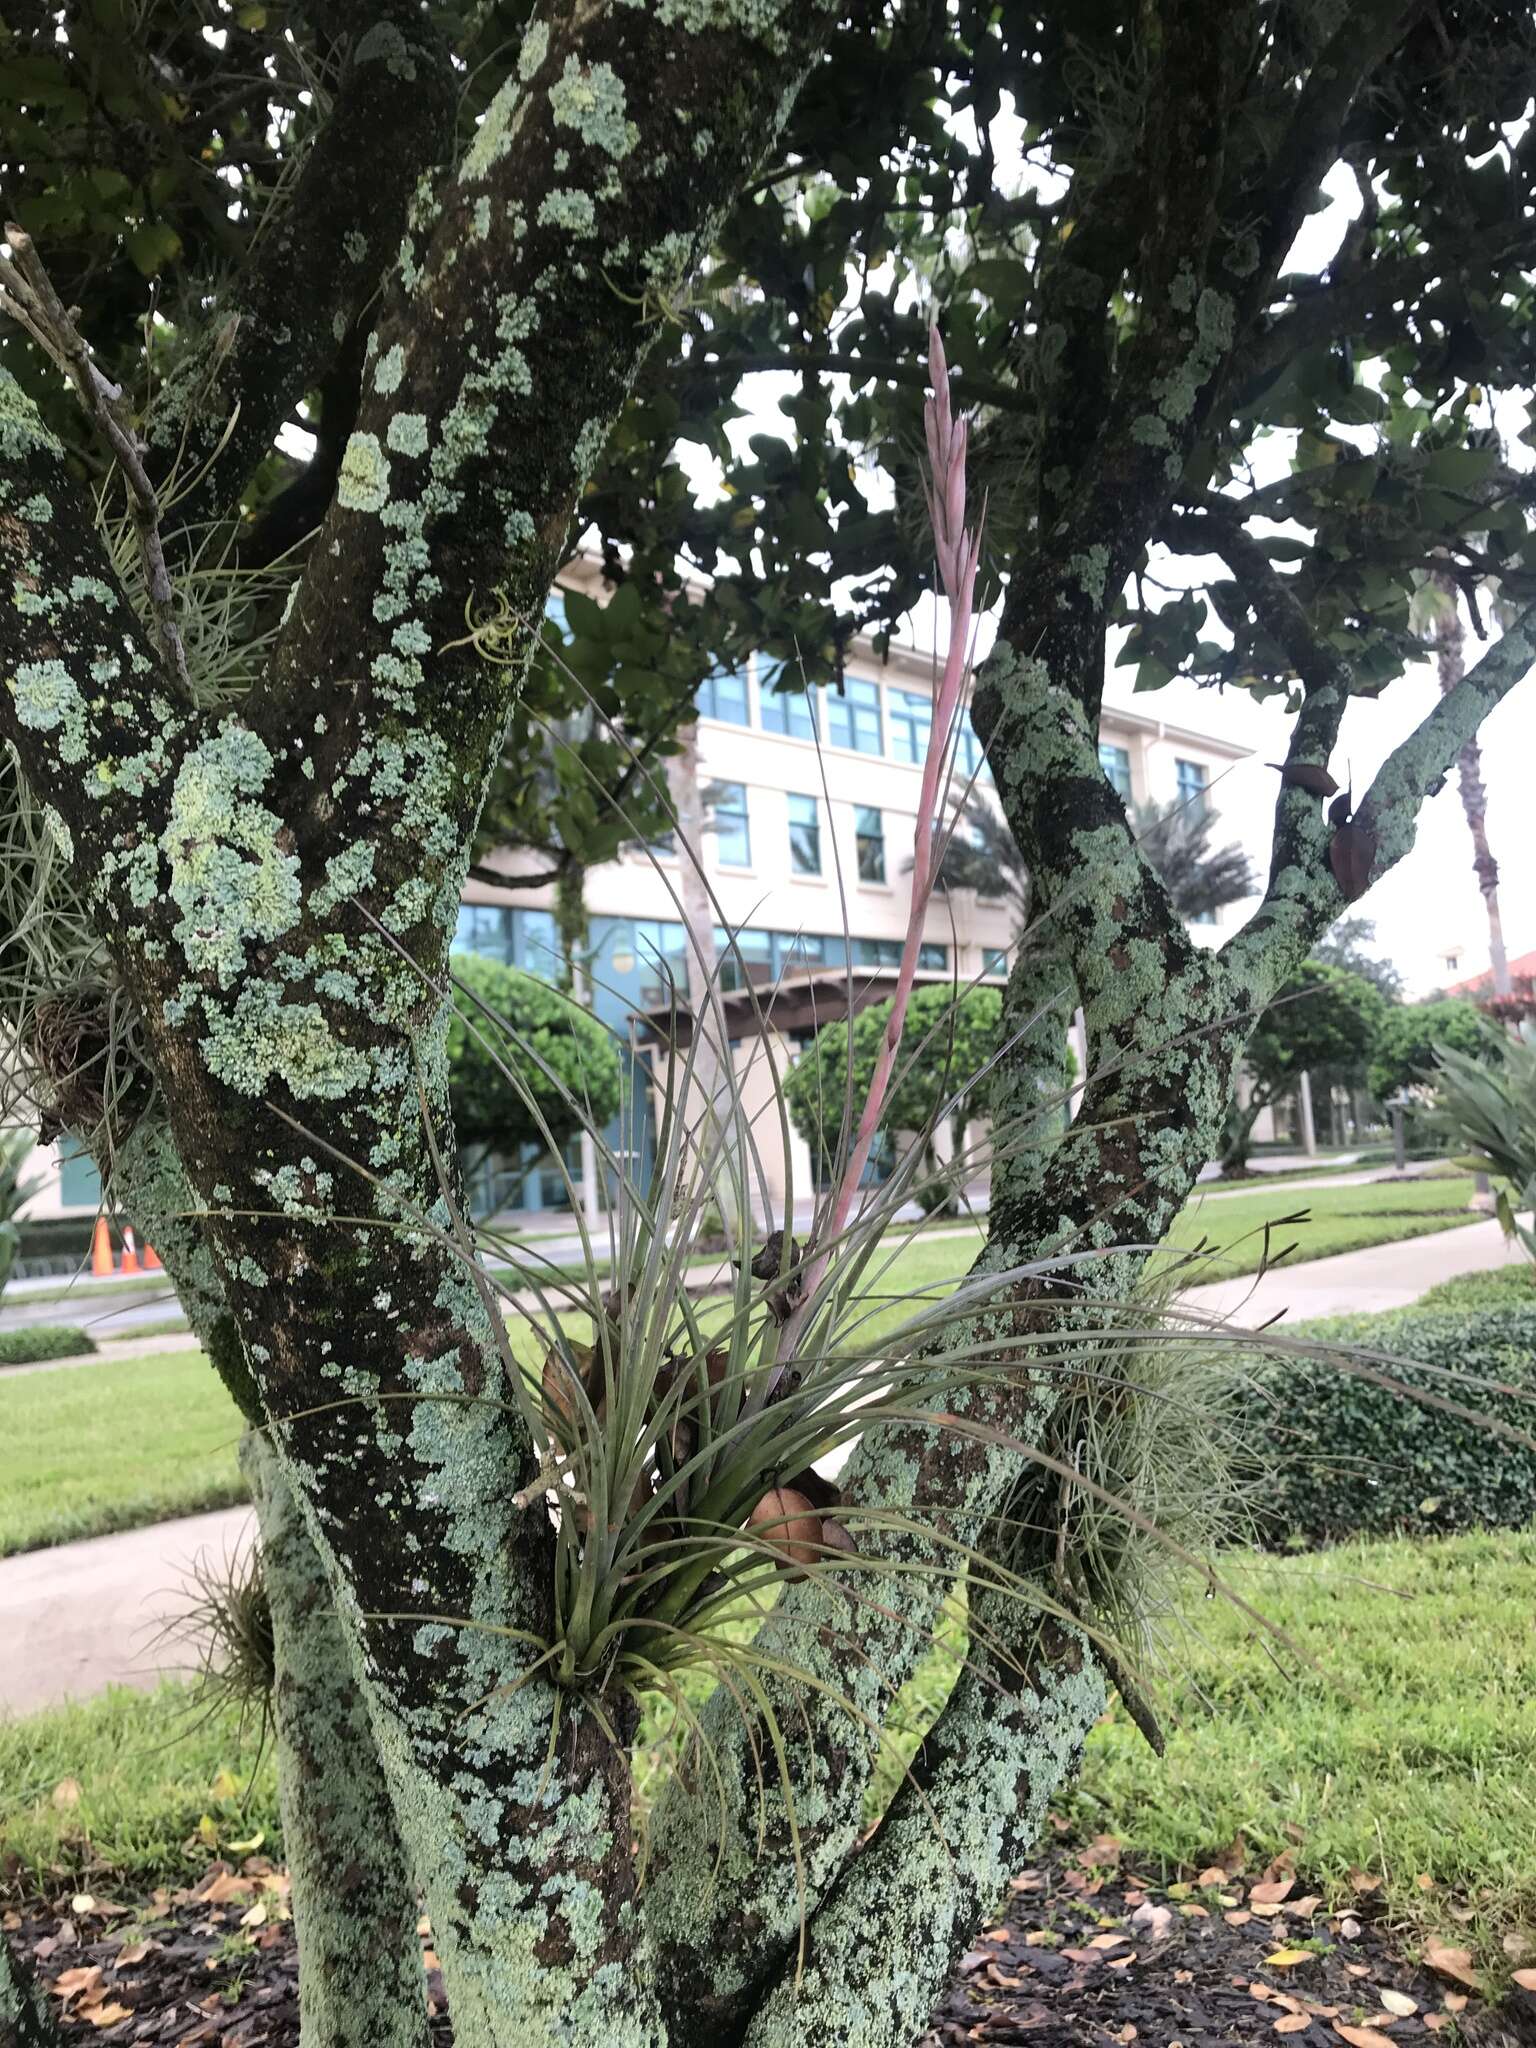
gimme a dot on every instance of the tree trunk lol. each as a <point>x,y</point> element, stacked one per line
<point>361,1983</point>
<point>1450,667</point>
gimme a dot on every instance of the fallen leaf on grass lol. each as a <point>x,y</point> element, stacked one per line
<point>222,1887</point>
<point>1399,2004</point>
<point>1302,1908</point>
<point>1451,1962</point>
<point>1215,1877</point>
<point>1271,1894</point>
<point>1362,2037</point>
<point>66,1793</point>
<point>1364,1881</point>
<point>1288,1958</point>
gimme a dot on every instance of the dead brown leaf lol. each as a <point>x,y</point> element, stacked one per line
<point>1293,2023</point>
<point>1526,1979</point>
<point>83,1983</point>
<point>1455,1963</point>
<point>1272,1893</point>
<point>1215,1876</point>
<point>222,1887</point>
<point>1362,2037</point>
<point>1364,1881</point>
<point>1398,2003</point>
<point>1237,1919</point>
<point>107,2015</point>
<point>66,1793</point>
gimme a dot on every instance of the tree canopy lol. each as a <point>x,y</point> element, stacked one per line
<point>514,270</point>
<point>1410,1035</point>
<point>1324,1018</point>
<point>949,1037</point>
<point>506,1023</point>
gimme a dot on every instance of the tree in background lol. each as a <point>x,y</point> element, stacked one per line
<point>948,1039</point>
<point>1175,840</point>
<point>526,1066</point>
<point>1404,1057</point>
<point>1347,943</point>
<point>1324,1018</point>
<point>514,326</point>
<point>1439,607</point>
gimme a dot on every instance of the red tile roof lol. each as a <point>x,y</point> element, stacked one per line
<point>1522,968</point>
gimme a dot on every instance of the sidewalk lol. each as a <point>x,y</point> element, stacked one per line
<point>84,1615</point>
<point>1382,1276</point>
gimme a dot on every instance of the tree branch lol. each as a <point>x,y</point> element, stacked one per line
<point>315,262</point>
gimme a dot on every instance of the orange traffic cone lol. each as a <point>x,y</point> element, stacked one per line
<point>151,1261</point>
<point>130,1253</point>
<point>101,1249</point>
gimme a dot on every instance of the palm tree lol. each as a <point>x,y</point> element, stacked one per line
<point>981,854</point>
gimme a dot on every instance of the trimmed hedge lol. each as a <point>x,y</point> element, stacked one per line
<point>40,1341</point>
<point>1352,1458</point>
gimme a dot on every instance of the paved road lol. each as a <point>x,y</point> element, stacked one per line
<point>84,1615</point>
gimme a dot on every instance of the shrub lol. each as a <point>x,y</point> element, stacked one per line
<point>567,1062</point>
<point>1354,1458</point>
<point>1499,1287</point>
<point>39,1341</point>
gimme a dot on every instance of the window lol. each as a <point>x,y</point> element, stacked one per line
<point>994,960</point>
<point>911,721</point>
<point>970,761</point>
<point>79,1182</point>
<point>554,611</point>
<point>804,835</point>
<point>745,956</point>
<point>1116,763</point>
<point>887,953</point>
<point>853,716</point>
<point>791,712</point>
<point>795,951</point>
<point>869,840</point>
<point>1194,777</point>
<point>723,695</point>
<point>733,835</point>
<point>520,938</point>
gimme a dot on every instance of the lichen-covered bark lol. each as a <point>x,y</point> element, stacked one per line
<point>291,878</point>
<point>361,1983</point>
<point>883,1944</point>
<point>353,1895</point>
<point>316,264</point>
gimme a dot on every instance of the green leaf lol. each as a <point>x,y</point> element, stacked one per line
<point>152,245</point>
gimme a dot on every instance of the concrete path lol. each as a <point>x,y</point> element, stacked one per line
<point>1380,1277</point>
<point>84,1615</point>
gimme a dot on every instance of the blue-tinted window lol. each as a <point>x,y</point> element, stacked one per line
<point>934,958</point>
<point>723,695</point>
<point>887,953</point>
<point>79,1182</point>
<point>970,761</point>
<point>911,721</point>
<point>804,835</point>
<point>853,716</point>
<point>518,938</point>
<point>794,951</point>
<point>733,832</point>
<point>745,956</point>
<point>994,960</point>
<point>1116,763</point>
<point>792,712</point>
<point>554,611</point>
<point>869,842</point>
<point>1194,778</point>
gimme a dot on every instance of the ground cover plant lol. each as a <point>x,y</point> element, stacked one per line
<point>37,1341</point>
<point>253,715</point>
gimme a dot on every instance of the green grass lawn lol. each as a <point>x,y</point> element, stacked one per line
<point>1406,1748</point>
<point>1339,1220</point>
<point>138,1440</point>
<point>113,1446</point>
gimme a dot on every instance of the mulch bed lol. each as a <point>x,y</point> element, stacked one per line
<point>1092,1953</point>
